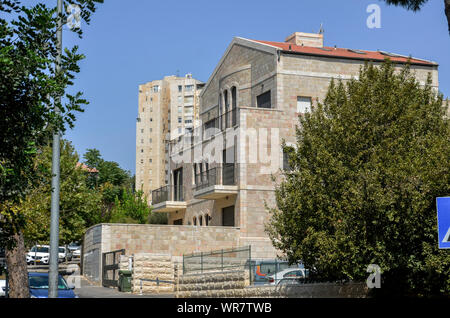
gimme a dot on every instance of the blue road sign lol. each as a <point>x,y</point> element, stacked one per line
<point>443,215</point>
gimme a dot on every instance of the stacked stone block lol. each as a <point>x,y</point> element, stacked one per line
<point>152,266</point>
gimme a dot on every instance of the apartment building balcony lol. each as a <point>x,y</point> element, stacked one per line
<point>216,183</point>
<point>226,120</point>
<point>168,199</point>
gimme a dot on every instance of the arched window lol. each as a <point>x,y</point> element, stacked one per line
<point>233,106</point>
<point>207,219</point>
<point>200,220</point>
<point>194,221</point>
<point>227,109</point>
<point>220,110</point>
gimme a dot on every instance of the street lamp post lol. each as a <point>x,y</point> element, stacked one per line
<point>54,223</point>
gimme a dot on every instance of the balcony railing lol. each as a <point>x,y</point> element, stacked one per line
<point>168,193</point>
<point>222,122</point>
<point>223,175</point>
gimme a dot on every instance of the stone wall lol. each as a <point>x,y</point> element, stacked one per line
<point>152,267</point>
<point>214,284</point>
<point>154,239</point>
<point>236,284</point>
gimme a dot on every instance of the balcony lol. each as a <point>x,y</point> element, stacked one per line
<point>220,123</point>
<point>168,199</point>
<point>216,183</point>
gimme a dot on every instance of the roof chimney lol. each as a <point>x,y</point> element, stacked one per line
<point>306,39</point>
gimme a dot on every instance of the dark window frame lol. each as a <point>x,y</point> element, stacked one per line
<point>264,100</point>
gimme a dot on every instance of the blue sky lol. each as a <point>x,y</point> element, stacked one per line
<point>132,42</point>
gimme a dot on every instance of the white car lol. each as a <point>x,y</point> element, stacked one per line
<point>2,288</point>
<point>63,254</point>
<point>39,254</point>
<point>76,253</point>
<point>287,274</point>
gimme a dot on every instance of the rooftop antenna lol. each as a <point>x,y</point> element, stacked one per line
<point>321,30</point>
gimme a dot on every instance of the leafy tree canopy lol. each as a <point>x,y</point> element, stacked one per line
<point>369,163</point>
<point>79,205</point>
<point>29,87</point>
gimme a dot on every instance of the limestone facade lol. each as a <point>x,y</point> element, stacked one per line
<point>166,109</point>
<point>253,99</point>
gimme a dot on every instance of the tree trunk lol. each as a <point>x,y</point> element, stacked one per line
<point>447,13</point>
<point>17,269</point>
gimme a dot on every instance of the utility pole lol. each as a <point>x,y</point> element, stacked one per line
<point>54,223</point>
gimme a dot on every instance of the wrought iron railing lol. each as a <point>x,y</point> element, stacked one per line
<point>206,179</point>
<point>221,175</point>
<point>220,260</point>
<point>220,123</point>
<point>168,193</point>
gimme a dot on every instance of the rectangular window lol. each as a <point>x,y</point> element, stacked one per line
<point>180,99</point>
<point>189,100</point>
<point>180,88</point>
<point>263,100</point>
<point>189,88</point>
<point>180,120</point>
<point>180,109</point>
<point>286,153</point>
<point>303,104</point>
<point>156,89</point>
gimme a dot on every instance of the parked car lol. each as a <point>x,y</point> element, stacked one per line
<point>263,268</point>
<point>2,288</point>
<point>74,246</point>
<point>288,274</point>
<point>64,254</point>
<point>38,283</point>
<point>76,253</point>
<point>38,254</point>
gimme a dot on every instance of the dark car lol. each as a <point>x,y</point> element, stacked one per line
<point>39,286</point>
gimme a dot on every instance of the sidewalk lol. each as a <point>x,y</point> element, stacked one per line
<point>89,290</point>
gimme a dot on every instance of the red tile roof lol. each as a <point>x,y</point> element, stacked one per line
<point>86,168</point>
<point>344,53</point>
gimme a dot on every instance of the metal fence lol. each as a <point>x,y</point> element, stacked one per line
<point>168,193</point>
<point>220,260</point>
<point>110,264</point>
<point>224,174</point>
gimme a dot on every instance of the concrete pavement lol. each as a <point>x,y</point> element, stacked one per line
<point>89,290</point>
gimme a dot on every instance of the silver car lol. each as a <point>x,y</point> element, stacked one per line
<point>286,275</point>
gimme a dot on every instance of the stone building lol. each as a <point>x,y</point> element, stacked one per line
<point>221,174</point>
<point>167,108</point>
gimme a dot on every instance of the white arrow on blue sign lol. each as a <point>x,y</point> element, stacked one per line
<point>443,215</point>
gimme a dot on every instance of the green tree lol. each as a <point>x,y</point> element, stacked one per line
<point>28,86</point>
<point>111,180</point>
<point>368,166</point>
<point>416,5</point>
<point>131,209</point>
<point>79,205</point>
